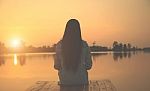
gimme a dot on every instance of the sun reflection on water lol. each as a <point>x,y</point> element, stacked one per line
<point>15,59</point>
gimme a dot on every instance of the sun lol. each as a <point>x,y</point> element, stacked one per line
<point>16,43</point>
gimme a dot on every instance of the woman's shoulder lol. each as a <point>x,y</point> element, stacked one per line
<point>85,44</point>
<point>59,43</point>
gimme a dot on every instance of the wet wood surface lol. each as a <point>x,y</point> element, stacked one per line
<point>97,85</point>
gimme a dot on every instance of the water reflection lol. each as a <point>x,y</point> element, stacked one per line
<point>95,56</point>
<point>126,75</point>
<point>21,59</point>
<point>117,56</point>
<point>15,59</point>
<point>123,55</point>
<point>120,56</point>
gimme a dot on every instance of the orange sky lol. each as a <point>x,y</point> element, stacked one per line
<point>39,22</point>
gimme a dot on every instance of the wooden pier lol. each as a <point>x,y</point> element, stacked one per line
<point>97,85</point>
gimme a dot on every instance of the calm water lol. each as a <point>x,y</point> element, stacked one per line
<point>127,71</point>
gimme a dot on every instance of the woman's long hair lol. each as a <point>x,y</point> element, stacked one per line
<point>71,45</point>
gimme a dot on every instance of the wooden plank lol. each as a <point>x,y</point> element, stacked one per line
<point>97,85</point>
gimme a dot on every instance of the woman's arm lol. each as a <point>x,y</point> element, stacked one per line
<point>88,58</point>
<point>57,58</point>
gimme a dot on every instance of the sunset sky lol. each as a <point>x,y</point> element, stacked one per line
<point>39,22</point>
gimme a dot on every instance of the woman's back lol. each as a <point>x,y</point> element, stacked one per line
<point>73,57</point>
<point>78,77</point>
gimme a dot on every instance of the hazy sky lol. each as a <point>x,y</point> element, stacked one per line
<point>39,22</point>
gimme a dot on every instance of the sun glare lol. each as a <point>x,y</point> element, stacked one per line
<point>16,43</point>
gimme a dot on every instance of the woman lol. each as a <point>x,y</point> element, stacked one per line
<point>73,57</point>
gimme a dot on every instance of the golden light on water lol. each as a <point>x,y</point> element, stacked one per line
<point>15,59</point>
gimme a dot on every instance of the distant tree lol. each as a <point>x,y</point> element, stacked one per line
<point>115,46</point>
<point>44,46</point>
<point>94,43</point>
<point>54,45</point>
<point>2,47</point>
<point>124,47</point>
<point>120,47</point>
<point>48,47</point>
<point>129,47</point>
<point>134,48</point>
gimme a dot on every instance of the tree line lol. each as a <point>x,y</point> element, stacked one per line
<point>124,47</point>
<point>116,47</point>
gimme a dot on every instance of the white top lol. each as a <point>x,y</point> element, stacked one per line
<point>81,75</point>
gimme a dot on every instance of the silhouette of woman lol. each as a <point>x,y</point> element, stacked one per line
<point>73,58</point>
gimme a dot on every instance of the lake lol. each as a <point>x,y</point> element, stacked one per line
<point>127,71</point>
